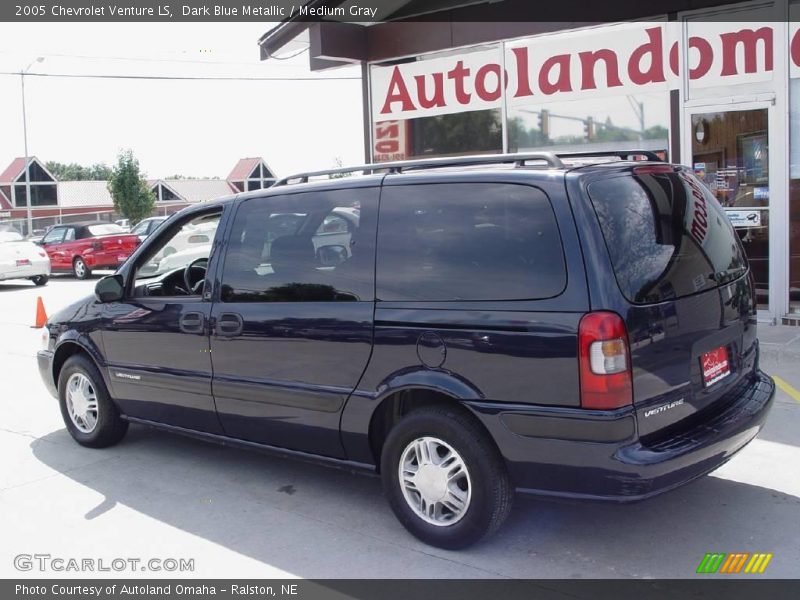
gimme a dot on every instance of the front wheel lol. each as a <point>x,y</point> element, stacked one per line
<point>444,477</point>
<point>91,417</point>
<point>80,269</point>
<point>40,280</point>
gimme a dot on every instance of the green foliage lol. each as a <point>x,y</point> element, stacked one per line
<point>521,137</point>
<point>132,198</point>
<point>460,133</point>
<point>76,172</point>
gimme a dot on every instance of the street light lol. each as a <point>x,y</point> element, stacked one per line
<point>28,200</point>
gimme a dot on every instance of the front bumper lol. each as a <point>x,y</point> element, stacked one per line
<point>44,359</point>
<point>599,456</point>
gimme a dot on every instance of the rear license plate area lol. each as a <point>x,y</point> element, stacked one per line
<point>23,262</point>
<point>715,365</point>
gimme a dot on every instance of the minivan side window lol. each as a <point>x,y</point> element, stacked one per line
<point>468,241</point>
<point>666,234</point>
<point>306,247</point>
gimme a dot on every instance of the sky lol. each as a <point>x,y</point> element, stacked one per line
<point>191,128</point>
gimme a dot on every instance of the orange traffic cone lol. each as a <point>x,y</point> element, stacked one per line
<point>41,315</point>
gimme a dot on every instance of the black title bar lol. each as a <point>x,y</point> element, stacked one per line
<point>358,11</point>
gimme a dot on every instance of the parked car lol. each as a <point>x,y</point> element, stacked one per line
<point>21,259</point>
<point>124,223</point>
<point>79,248</point>
<point>146,227</point>
<point>534,323</point>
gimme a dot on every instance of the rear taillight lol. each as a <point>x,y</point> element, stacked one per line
<point>605,363</point>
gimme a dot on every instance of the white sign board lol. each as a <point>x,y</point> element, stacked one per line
<point>612,60</point>
<point>744,218</point>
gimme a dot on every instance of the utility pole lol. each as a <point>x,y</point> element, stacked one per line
<point>28,200</point>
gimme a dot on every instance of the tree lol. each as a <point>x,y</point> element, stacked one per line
<point>132,198</point>
<point>76,172</point>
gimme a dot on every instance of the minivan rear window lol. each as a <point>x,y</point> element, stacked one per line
<point>667,235</point>
<point>468,241</point>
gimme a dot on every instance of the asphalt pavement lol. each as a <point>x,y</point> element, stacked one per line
<point>242,514</point>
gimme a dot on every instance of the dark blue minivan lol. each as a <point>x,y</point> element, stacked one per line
<point>471,327</point>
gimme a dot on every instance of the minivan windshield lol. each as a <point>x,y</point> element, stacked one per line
<point>666,234</point>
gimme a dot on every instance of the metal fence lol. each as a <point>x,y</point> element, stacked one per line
<point>40,224</point>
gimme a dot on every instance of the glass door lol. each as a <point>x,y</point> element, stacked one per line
<point>730,153</point>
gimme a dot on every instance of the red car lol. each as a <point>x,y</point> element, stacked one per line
<point>78,248</point>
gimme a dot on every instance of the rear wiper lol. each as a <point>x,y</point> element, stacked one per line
<point>727,273</point>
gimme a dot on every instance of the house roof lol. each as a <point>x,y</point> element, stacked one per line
<point>84,193</point>
<point>17,167</point>
<point>13,170</point>
<point>198,190</point>
<point>243,169</point>
<point>5,199</point>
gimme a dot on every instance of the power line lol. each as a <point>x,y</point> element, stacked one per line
<point>178,77</point>
<point>164,60</point>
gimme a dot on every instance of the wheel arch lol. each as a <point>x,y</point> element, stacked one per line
<point>71,345</point>
<point>410,391</point>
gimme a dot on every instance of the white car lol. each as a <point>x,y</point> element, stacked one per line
<point>21,259</point>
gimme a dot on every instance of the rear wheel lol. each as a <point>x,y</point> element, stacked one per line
<point>40,280</point>
<point>80,269</point>
<point>91,417</point>
<point>444,477</point>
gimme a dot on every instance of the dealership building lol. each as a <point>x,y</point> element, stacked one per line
<point>715,88</point>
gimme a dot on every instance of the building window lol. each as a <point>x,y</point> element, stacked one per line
<point>639,122</point>
<point>42,194</point>
<point>164,194</point>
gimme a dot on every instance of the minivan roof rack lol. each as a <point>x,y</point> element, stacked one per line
<point>519,159</point>
<point>621,154</point>
<point>552,159</point>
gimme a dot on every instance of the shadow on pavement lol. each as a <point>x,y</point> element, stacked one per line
<point>314,521</point>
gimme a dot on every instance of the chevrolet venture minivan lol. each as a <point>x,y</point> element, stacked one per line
<point>568,325</point>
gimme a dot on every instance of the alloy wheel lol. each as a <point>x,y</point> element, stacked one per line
<point>435,481</point>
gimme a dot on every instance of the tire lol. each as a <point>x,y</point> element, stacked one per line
<point>107,428</point>
<point>486,492</point>
<point>80,269</point>
<point>40,280</point>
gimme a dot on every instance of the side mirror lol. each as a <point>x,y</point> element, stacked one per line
<point>109,289</point>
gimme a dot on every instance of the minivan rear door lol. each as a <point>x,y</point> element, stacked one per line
<point>688,301</point>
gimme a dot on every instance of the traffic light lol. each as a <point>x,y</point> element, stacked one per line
<point>544,122</point>
<point>589,128</point>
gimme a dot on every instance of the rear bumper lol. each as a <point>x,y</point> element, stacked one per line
<point>581,454</point>
<point>34,269</point>
<point>44,358</point>
<point>106,260</point>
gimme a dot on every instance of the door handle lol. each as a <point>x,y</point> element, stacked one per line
<point>192,322</point>
<point>229,325</point>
